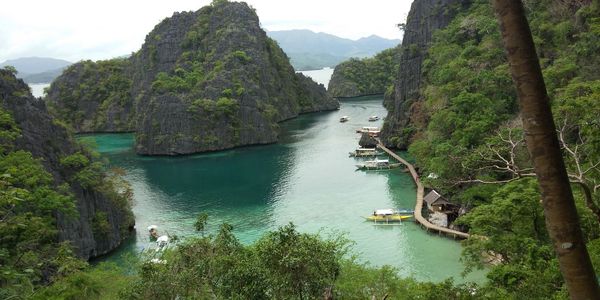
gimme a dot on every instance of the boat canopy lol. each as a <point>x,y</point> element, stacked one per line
<point>387,211</point>
<point>384,161</point>
<point>367,128</point>
<point>152,227</point>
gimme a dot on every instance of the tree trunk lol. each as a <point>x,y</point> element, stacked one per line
<point>562,220</point>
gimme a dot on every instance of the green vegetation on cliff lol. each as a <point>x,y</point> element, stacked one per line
<point>203,81</point>
<point>367,76</point>
<point>36,197</point>
<point>93,96</point>
<point>226,83</point>
<point>465,129</point>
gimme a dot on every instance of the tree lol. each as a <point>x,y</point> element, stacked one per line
<point>504,156</point>
<point>11,69</point>
<point>562,221</point>
<point>200,224</point>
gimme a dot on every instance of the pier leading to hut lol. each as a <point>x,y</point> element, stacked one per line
<point>420,199</point>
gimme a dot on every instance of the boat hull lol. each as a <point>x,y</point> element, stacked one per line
<point>390,166</point>
<point>388,219</point>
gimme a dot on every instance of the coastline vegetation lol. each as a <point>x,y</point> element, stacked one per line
<point>366,76</point>
<point>468,133</point>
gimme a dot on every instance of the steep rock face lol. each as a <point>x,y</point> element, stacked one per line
<point>340,85</point>
<point>424,18</point>
<point>213,80</point>
<point>50,142</point>
<point>203,81</point>
<point>94,96</point>
<point>367,76</point>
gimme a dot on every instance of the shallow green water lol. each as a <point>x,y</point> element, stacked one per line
<point>307,178</point>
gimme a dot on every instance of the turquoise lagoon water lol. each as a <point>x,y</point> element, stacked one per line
<point>307,178</point>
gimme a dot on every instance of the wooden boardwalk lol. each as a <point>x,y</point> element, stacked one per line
<point>419,203</point>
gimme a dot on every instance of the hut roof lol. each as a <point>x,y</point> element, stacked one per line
<point>434,198</point>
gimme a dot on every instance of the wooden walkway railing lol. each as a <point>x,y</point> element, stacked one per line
<point>420,194</point>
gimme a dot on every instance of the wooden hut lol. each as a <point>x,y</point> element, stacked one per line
<point>435,202</point>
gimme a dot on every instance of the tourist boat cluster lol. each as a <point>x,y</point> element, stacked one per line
<point>370,149</point>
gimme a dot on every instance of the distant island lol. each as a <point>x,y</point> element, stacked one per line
<point>309,50</point>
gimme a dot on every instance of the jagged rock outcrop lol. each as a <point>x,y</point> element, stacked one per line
<point>367,141</point>
<point>47,140</point>
<point>367,76</point>
<point>94,96</point>
<point>205,81</point>
<point>424,18</point>
<point>340,86</point>
<point>237,83</point>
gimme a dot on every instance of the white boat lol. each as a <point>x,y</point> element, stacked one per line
<point>373,118</point>
<point>377,164</point>
<point>362,152</point>
<point>344,119</point>
<point>372,131</point>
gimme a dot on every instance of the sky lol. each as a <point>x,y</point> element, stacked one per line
<point>76,30</point>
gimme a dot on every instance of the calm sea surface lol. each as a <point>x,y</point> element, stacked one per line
<point>320,76</point>
<point>37,89</point>
<point>307,178</point>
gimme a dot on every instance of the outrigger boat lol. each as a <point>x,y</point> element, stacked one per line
<point>388,216</point>
<point>363,152</point>
<point>344,119</point>
<point>372,131</point>
<point>377,164</point>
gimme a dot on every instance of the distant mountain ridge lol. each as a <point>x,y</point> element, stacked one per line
<point>311,50</point>
<point>37,69</point>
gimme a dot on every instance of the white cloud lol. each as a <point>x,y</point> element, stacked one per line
<point>76,30</point>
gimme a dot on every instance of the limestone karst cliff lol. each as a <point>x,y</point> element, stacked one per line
<point>367,76</point>
<point>202,81</point>
<point>98,205</point>
<point>424,18</point>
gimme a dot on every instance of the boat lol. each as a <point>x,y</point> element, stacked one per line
<point>372,131</point>
<point>344,119</point>
<point>377,164</point>
<point>405,211</point>
<point>157,242</point>
<point>388,215</point>
<point>373,118</point>
<point>363,152</point>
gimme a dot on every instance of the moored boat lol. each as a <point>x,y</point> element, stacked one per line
<point>377,164</point>
<point>404,211</point>
<point>372,131</point>
<point>373,118</point>
<point>344,119</point>
<point>388,216</point>
<point>364,152</point>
